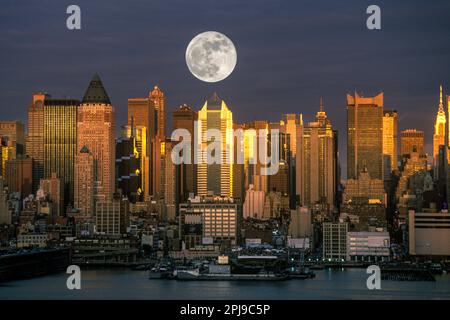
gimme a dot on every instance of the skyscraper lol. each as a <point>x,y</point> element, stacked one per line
<point>95,132</point>
<point>316,162</point>
<point>19,175</point>
<point>390,119</point>
<point>280,181</point>
<point>35,137</point>
<point>159,101</point>
<point>411,140</point>
<point>439,130</point>
<point>252,146</point>
<point>128,163</point>
<point>53,188</point>
<point>60,143</point>
<point>216,177</point>
<point>142,112</point>
<point>13,131</point>
<point>365,135</point>
<point>184,118</point>
<point>84,182</point>
<point>168,181</point>
<point>140,149</point>
<point>291,122</point>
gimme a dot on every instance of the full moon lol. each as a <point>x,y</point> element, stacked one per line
<point>211,56</point>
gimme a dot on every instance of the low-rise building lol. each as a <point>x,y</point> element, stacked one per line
<point>32,240</point>
<point>429,233</point>
<point>368,246</point>
<point>335,241</point>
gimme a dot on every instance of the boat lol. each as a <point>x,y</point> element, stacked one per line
<point>196,275</point>
<point>300,273</point>
<point>160,273</point>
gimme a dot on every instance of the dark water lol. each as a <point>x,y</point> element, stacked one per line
<point>125,284</point>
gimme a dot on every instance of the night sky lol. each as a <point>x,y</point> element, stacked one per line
<point>289,54</point>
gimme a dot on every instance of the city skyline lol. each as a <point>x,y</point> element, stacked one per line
<point>305,144</point>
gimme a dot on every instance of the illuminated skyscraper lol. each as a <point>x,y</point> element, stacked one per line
<point>291,122</point>
<point>252,161</point>
<point>7,152</point>
<point>84,182</point>
<point>128,163</point>
<point>60,143</point>
<point>238,168</point>
<point>13,131</point>
<point>316,162</point>
<point>143,113</point>
<point>168,180</point>
<point>365,135</point>
<point>390,119</point>
<point>439,130</point>
<point>216,177</point>
<point>140,145</point>
<point>159,101</point>
<point>411,140</point>
<point>35,137</point>
<point>96,131</point>
<point>280,181</point>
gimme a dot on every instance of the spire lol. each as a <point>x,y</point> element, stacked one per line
<point>321,104</point>
<point>215,102</point>
<point>96,93</point>
<point>441,105</point>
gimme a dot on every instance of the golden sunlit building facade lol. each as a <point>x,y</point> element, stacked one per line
<point>411,140</point>
<point>390,125</point>
<point>215,177</point>
<point>35,136</point>
<point>60,143</point>
<point>253,131</point>
<point>159,101</point>
<point>439,129</point>
<point>316,162</point>
<point>96,132</point>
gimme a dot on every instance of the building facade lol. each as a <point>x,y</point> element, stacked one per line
<point>316,162</point>
<point>390,125</point>
<point>365,135</point>
<point>217,176</point>
<point>60,143</point>
<point>411,140</point>
<point>429,233</point>
<point>96,132</point>
<point>13,131</point>
<point>439,133</point>
<point>184,118</point>
<point>335,241</point>
<point>35,136</point>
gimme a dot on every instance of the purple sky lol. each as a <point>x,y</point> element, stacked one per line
<point>289,54</point>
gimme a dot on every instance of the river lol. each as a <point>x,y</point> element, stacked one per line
<point>122,284</point>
